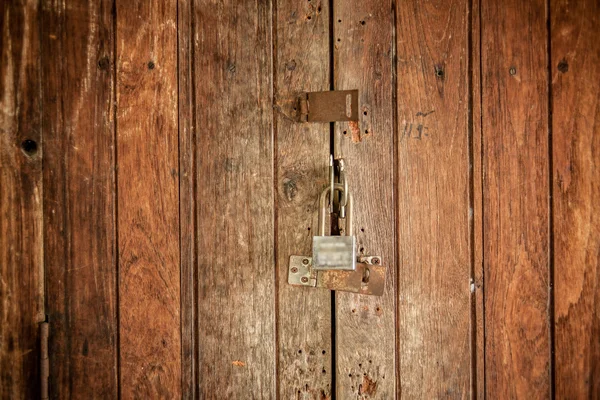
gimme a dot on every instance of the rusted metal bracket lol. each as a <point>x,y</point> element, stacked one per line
<point>368,278</point>
<point>330,106</point>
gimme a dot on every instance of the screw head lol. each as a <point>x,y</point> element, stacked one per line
<point>305,261</point>
<point>304,279</point>
<point>512,71</point>
<point>294,269</point>
<point>375,260</point>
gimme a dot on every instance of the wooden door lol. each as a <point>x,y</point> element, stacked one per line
<point>155,179</point>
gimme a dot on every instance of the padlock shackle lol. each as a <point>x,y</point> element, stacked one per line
<point>349,231</point>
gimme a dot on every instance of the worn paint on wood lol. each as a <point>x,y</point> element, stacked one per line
<point>433,199</point>
<point>79,197</point>
<point>515,203</point>
<point>148,200</point>
<point>234,180</point>
<point>21,254</point>
<point>304,314</point>
<point>365,325</point>
<point>575,71</point>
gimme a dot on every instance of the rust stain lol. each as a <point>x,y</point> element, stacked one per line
<point>238,363</point>
<point>368,387</point>
<point>353,125</point>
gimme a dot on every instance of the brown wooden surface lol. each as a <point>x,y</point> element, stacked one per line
<point>365,325</point>
<point>302,156</point>
<point>148,199</point>
<point>79,198</point>
<point>21,255</point>
<point>575,71</point>
<point>234,142</point>
<point>476,214</point>
<point>176,184</point>
<point>433,203</point>
<point>187,203</point>
<point>515,201</point>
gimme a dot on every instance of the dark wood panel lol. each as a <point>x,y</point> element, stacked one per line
<point>304,314</point>
<point>187,202</point>
<point>515,164</point>
<point>434,306</point>
<point>365,325</point>
<point>21,248</point>
<point>576,160</point>
<point>234,142</point>
<point>79,197</point>
<point>148,199</point>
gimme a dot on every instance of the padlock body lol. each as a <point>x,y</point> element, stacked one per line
<point>334,252</point>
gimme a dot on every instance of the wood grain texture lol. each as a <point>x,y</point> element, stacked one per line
<point>21,248</point>
<point>476,216</point>
<point>234,142</point>
<point>148,199</point>
<point>576,161</point>
<point>515,163</point>
<point>187,200</point>
<point>79,198</point>
<point>365,325</point>
<point>304,314</point>
<point>433,186</point>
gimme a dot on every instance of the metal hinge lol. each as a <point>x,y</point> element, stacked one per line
<point>44,360</point>
<point>330,106</point>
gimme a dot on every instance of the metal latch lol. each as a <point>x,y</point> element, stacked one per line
<point>334,264</point>
<point>330,106</point>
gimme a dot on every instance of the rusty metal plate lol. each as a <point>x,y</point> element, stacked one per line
<point>366,279</point>
<point>332,106</point>
<point>300,271</point>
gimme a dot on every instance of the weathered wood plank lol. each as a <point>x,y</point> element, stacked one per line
<point>576,188</point>
<point>187,200</point>
<point>79,197</point>
<point>148,201</point>
<point>476,215</point>
<point>433,199</point>
<point>365,325</point>
<point>234,142</point>
<point>304,314</point>
<point>515,164</point>
<point>21,248</point>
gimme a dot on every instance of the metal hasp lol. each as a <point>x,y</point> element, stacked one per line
<point>334,264</point>
<point>330,106</point>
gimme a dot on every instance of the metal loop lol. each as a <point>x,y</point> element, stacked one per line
<point>338,187</point>
<point>344,182</point>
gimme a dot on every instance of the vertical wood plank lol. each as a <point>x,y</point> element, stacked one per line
<point>21,248</point>
<point>365,325</point>
<point>79,197</point>
<point>476,215</point>
<point>148,200</point>
<point>236,261</point>
<point>433,199</point>
<point>515,162</point>
<point>187,199</point>
<point>576,160</point>
<point>304,314</point>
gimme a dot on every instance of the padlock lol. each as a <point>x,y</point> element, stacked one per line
<point>334,252</point>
